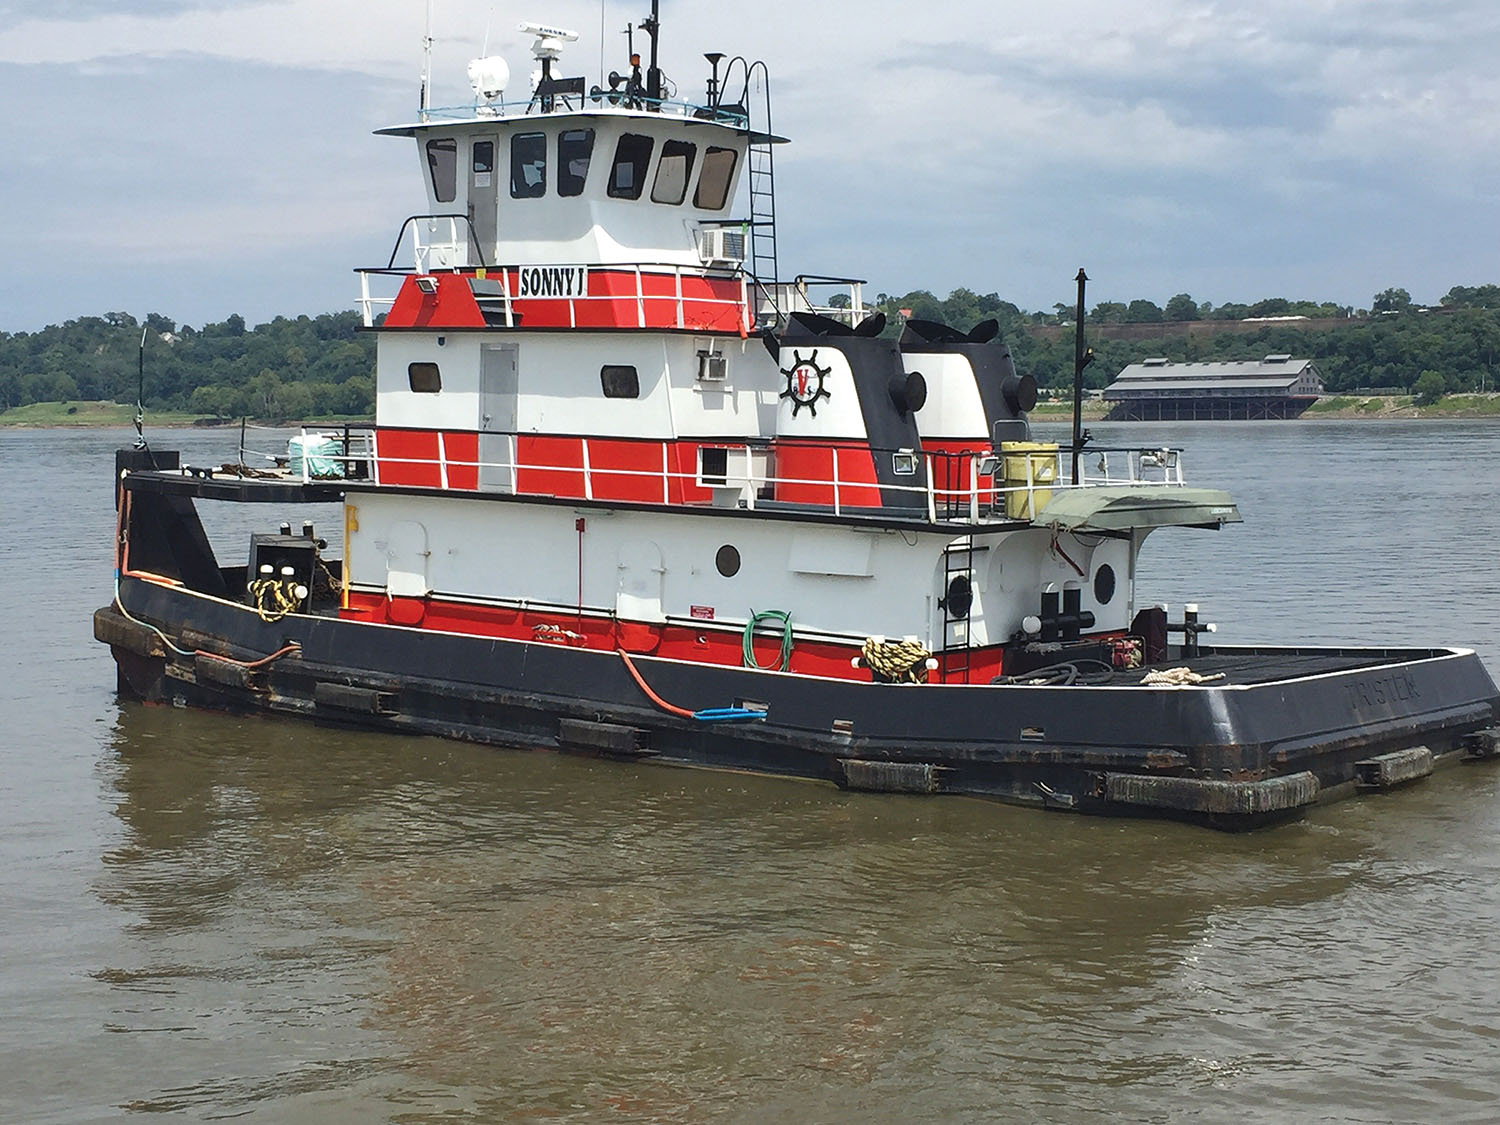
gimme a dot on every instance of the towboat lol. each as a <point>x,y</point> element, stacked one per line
<point>631,493</point>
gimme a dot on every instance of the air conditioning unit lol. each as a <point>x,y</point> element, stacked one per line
<point>721,244</point>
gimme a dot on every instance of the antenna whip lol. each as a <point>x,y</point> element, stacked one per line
<point>140,393</point>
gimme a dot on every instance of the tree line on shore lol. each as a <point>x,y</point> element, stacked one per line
<point>323,366</point>
<point>1390,347</point>
<point>292,367</point>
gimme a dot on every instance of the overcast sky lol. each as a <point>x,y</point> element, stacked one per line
<point>203,157</point>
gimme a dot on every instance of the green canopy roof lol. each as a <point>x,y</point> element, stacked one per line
<point>1127,506</point>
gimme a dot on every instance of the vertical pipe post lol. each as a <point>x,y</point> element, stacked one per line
<point>653,76</point>
<point>1080,361</point>
<point>424,102</point>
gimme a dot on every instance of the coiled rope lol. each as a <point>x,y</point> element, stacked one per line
<point>1062,675</point>
<point>1179,677</point>
<point>784,659</point>
<point>896,662</point>
<point>274,598</point>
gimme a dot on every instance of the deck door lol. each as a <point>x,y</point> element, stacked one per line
<point>499,387</point>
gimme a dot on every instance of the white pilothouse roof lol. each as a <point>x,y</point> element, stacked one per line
<point>524,113</point>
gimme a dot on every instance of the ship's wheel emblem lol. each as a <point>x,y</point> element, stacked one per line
<point>804,383</point>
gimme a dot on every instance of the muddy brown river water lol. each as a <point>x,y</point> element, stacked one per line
<point>207,917</point>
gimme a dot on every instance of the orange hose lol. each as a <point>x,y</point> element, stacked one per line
<point>250,664</point>
<point>669,708</point>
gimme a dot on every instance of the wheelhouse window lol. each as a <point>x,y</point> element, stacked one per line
<point>484,163</point>
<point>442,166</point>
<point>718,174</point>
<point>620,381</point>
<point>673,172</point>
<point>424,378</point>
<point>574,149</point>
<point>528,165</point>
<point>628,174</point>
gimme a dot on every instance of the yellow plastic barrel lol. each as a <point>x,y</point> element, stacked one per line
<point>1022,463</point>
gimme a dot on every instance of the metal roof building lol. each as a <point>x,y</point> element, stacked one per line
<point>1277,386</point>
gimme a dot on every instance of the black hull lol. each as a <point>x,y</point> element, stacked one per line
<point>1231,757</point>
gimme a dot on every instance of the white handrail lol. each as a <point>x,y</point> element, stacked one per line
<point>678,298</point>
<point>942,502</point>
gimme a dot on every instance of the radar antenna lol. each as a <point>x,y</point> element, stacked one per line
<point>547,50</point>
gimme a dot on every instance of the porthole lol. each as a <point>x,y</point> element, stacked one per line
<point>728,561</point>
<point>960,598</point>
<point>1104,584</point>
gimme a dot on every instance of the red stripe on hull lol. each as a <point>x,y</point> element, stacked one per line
<point>623,469</point>
<point>700,645</point>
<point>633,470</point>
<point>462,451</point>
<point>408,458</point>
<point>811,467</point>
<point>452,306</point>
<point>615,300</point>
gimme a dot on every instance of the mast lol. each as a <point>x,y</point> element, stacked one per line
<point>425,100</point>
<point>1082,357</point>
<point>652,25</point>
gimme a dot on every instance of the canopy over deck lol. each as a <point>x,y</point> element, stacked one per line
<point>1126,507</point>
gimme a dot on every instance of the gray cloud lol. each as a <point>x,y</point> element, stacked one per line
<point>16,11</point>
<point>1323,150</point>
<point>182,189</point>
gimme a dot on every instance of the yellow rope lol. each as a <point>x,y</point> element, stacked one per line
<point>897,662</point>
<point>273,599</point>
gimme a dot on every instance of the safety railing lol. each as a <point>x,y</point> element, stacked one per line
<point>313,453</point>
<point>951,487</point>
<point>622,100</point>
<point>637,294</point>
<point>439,244</point>
<point>840,298</point>
<point>499,289</point>
<point>1130,465</point>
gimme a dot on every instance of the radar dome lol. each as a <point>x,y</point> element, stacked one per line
<point>489,77</point>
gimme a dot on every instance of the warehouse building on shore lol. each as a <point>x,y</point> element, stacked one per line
<point>1160,390</point>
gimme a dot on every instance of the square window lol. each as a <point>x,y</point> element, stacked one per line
<point>627,176</point>
<point>442,165</point>
<point>673,172</point>
<point>717,176</point>
<point>424,378</point>
<point>574,149</point>
<point>620,381</point>
<point>528,166</point>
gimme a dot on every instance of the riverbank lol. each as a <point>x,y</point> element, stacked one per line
<point>55,414</point>
<point>1369,407</point>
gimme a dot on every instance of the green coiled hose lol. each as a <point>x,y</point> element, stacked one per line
<point>784,661</point>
